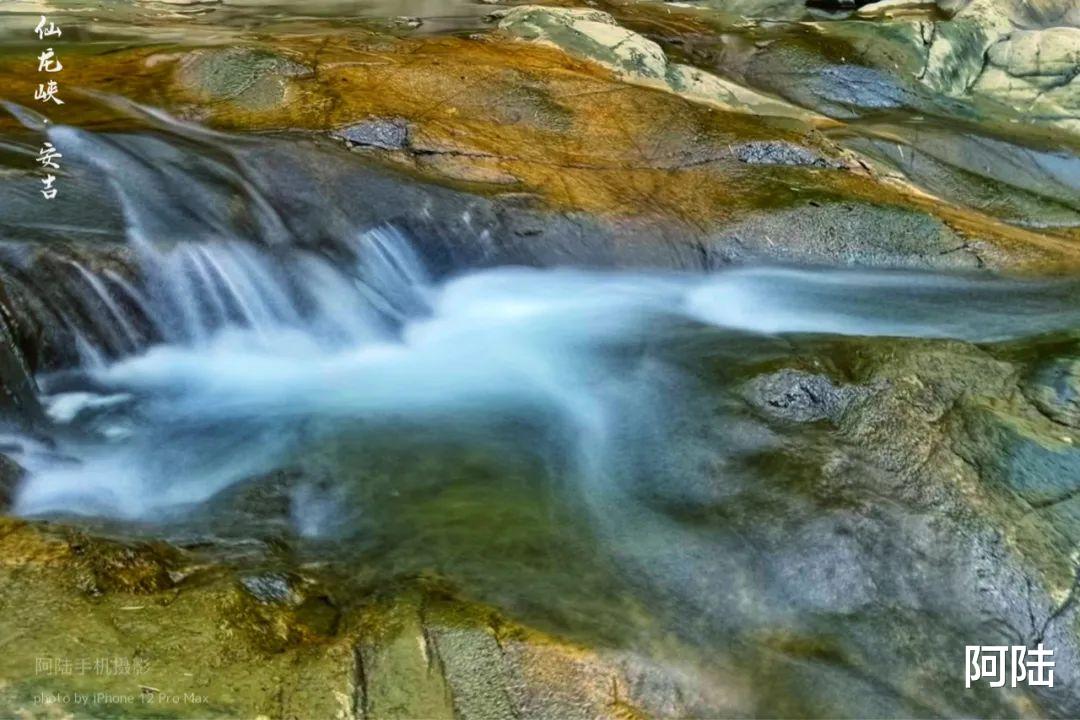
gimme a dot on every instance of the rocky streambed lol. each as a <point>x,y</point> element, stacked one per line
<point>629,360</point>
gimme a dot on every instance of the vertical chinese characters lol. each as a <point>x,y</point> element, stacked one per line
<point>48,91</point>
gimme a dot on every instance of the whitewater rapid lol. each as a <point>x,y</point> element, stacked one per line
<point>243,338</point>
<point>265,352</point>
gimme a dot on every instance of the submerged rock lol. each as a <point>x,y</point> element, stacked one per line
<point>436,657</point>
<point>251,78</point>
<point>407,653</point>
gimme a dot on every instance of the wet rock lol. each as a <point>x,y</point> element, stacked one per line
<point>383,133</point>
<point>425,656</point>
<point>889,8</point>
<point>494,113</point>
<point>106,566</point>
<point>860,87</point>
<point>10,475</point>
<point>596,36</point>
<point>1018,184</point>
<point>989,499</point>
<point>251,78</point>
<point>19,357</point>
<point>766,152</point>
<point>272,588</point>
<point>402,675</point>
<point>967,58</point>
<point>486,171</point>
<point>1055,390</point>
<point>1053,53</point>
<point>279,610</point>
<point>1043,470</point>
<point>846,75</point>
<point>800,396</point>
<point>844,233</point>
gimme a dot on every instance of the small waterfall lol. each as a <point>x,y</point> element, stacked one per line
<point>115,317</point>
<point>187,292</point>
<point>218,342</point>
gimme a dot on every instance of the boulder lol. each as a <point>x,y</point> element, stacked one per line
<point>597,37</point>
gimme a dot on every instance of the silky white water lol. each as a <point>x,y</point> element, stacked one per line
<point>249,333</point>
<point>266,352</point>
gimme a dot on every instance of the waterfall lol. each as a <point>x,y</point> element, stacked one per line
<point>218,342</point>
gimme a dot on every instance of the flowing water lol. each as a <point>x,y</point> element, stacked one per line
<point>235,350</point>
<point>282,355</point>
<point>571,444</point>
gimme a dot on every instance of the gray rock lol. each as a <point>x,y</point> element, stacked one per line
<point>800,396</point>
<point>594,35</point>
<point>384,133</point>
<point>272,589</point>
<point>1055,390</point>
<point>778,152</point>
<point>844,234</point>
<point>10,474</point>
<point>861,87</point>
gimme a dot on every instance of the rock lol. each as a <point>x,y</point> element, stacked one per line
<point>402,674</point>
<point>801,397</point>
<point>1041,468</point>
<point>272,588</point>
<point>20,358</point>
<point>1053,53</point>
<point>861,87</point>
<point>1055,390</point>
<point>994,60</point>
<point>1035,72</point>
<point>425,655</point>
<point>251,78</point>
<point>781,153</point>
<point>485,171</point>
<point>843,233</point>
<point>278,610</point>
<point>384,133</point>
<point>10,475</point>
<point>1018,184</point>
<point>594,35</point>
<point>986,49</point>
<point>837,5</point>
<point>494,115</point>
<point>119,567</point>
